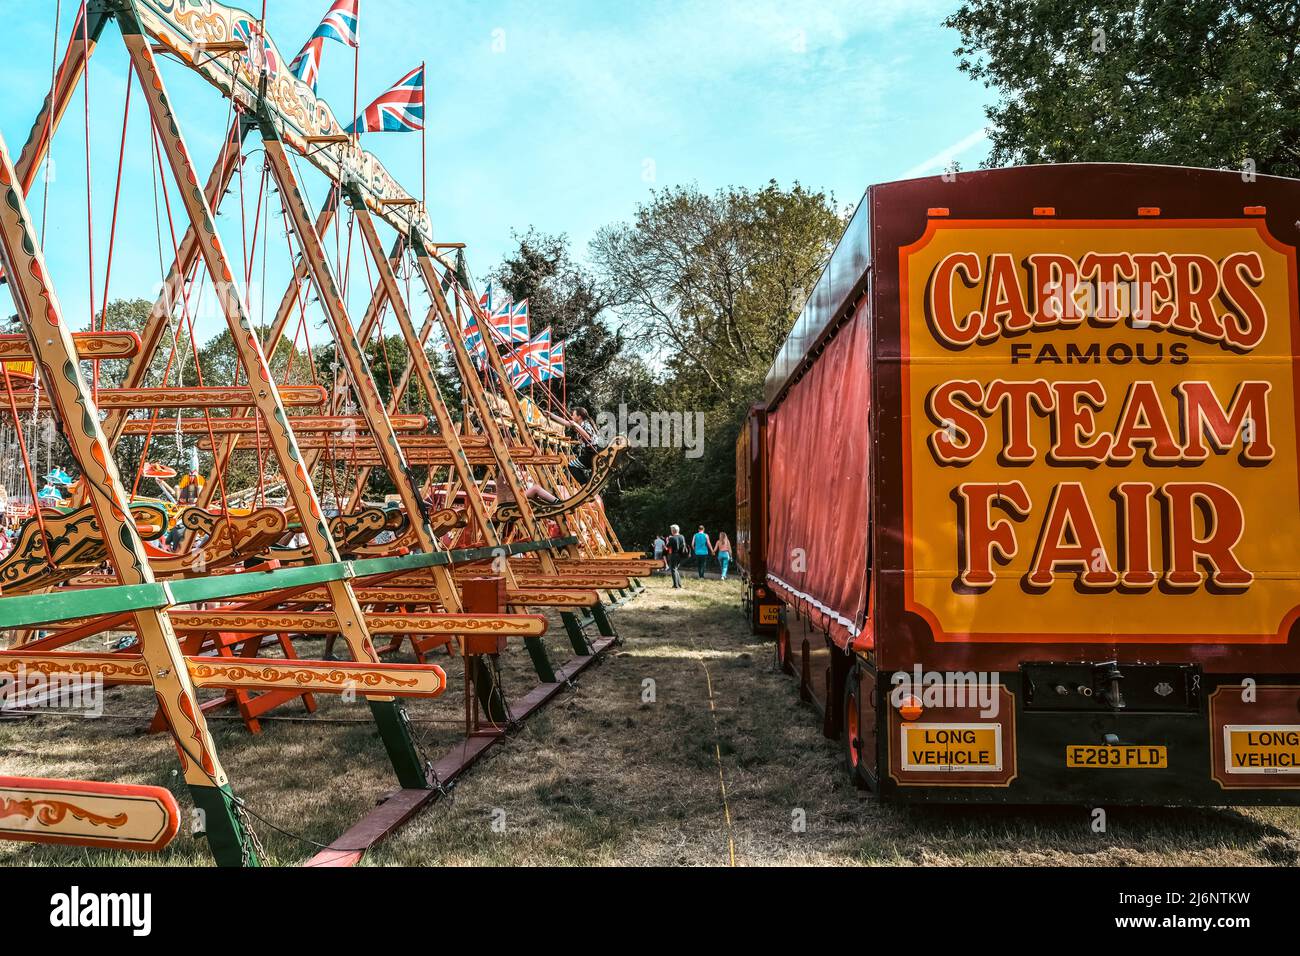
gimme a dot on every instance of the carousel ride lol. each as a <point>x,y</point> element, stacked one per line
<point>175,579</point>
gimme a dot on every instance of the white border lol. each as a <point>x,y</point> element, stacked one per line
<point>1241,728</point>
<point>996,767</point>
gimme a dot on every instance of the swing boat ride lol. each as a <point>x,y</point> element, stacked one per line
<point>470,562</point>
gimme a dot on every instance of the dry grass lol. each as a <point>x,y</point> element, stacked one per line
<point>600,777</point>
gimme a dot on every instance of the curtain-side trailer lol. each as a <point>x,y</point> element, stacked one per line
<point>1025,484</point>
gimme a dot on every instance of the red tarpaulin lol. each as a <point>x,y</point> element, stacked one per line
<point>818,450</point>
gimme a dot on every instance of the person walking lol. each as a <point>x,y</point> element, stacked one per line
<point>703,548</point>
<point>676,550</point>
<point>723,551</point>
<point>660,544</point>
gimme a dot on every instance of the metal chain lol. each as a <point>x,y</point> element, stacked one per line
<point>247,826</point>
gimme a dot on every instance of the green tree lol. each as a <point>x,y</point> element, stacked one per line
<point>709,286</point>
<point>714,282</point>
<point>1186,82</point>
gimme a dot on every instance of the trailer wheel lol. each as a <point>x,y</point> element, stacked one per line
<point>852,733</point>
<point>783,649</point>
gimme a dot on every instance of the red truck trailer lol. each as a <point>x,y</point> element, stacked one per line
<point>1021,504</point>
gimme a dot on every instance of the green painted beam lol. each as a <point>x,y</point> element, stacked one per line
<point>64,604</point>
<point>217,587</point>
<point>25,610</point>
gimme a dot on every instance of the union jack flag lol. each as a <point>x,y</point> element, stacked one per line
<point>519,322</point>
<point>513,366</point>
<point>537,353</point>
<point>555,367</point>
<point>340,23</point>
<point>399,110</point>
<point>485,300</point>
<point>501,321</point>
<point>474,337</point>
<point>306,65</point>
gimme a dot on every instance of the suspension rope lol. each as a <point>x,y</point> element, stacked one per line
<point>49,116</point>
<point>189,324</point>
<point>112,231</point>
<point>90,219</point>
<point>27,464</point>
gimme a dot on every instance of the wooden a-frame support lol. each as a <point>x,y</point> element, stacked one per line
<point>394,727</point>
<point>69,395</point>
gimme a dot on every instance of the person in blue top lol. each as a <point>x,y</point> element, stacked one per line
<point>703,547</point>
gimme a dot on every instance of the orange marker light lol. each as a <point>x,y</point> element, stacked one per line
<point>910,707</point>
<point>1148,210</point>
<point>937,211</point>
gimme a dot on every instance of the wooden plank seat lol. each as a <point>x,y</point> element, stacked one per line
<point>71,545</point>
<point>428,597</point>
<point>115,816</point>
<point>601,582</point>
<point>90,345</point>
<point>366,455</point>
<point>297,396</point>
<point>256,673</point>
<point>250,425</point>
<point>592,566</point>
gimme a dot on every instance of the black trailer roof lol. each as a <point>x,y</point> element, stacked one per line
<point>838,286</point>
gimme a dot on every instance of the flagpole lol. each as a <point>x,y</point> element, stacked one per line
<point>356,74</point>
<point>424,137</point>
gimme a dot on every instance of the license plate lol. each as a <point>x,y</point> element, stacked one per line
<point>1272,748</point>
<point>952,747</point>
<point>769,614</point>
<point>1119,756</point>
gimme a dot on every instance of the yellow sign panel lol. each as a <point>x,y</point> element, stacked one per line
<point>1100,431</point>
<point>931,747</point>
<point>1117,756</point>
<point>1262,749</point>
<point>769,614</point>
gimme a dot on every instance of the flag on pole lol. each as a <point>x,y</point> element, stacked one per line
<point>306,65</point>
<point>501,321</point>
<point>537,353</point>
<point>556,365</point>
<point>485,300</point>
<point>339,23</point>
<point>519,322</point>
<point>400,109</point>
<point>474,338</point>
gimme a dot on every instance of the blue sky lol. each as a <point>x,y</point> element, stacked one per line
<point>561,115</point>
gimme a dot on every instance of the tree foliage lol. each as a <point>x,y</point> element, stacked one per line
<point>709,286</point>
<point>713,282</point>
<point>1186,82</point>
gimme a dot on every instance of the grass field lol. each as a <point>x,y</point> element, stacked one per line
<point>720,764</point>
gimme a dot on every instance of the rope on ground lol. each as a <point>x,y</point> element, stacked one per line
<point>717,753</point>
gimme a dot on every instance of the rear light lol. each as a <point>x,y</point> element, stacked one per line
<point>760,593</point>
<point>910,707</point>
